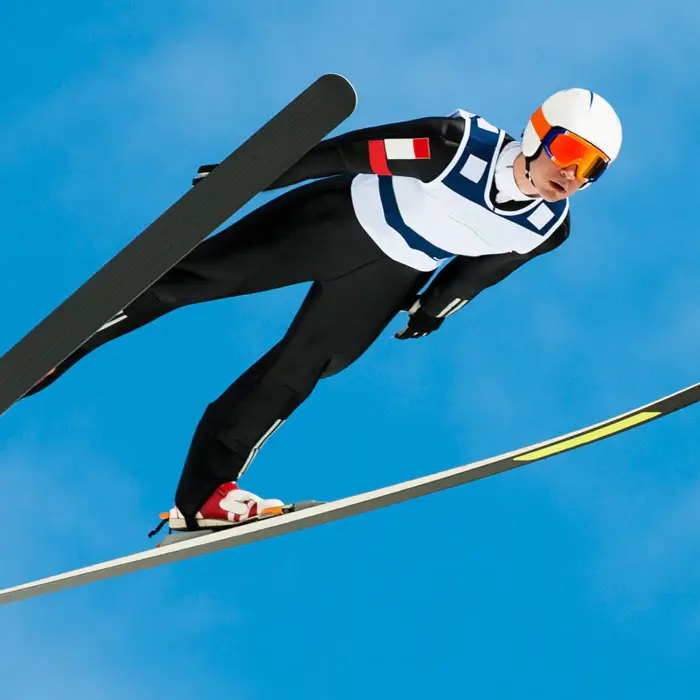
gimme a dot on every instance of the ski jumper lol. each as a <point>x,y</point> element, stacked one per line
<point>389,205</point>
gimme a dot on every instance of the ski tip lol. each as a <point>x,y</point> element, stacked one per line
<point>340,82</point>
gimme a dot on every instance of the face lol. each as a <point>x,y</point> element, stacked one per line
<point>552,181</point>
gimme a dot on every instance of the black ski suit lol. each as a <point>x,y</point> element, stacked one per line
<point>308,234</point>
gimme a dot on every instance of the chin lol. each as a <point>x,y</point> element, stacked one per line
<point>552,196</point>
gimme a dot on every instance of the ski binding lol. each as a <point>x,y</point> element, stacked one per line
<point>175,536</point>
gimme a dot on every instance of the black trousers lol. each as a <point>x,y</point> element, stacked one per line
<point>309,234</point>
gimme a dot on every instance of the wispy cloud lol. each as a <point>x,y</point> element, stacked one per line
<point>585,330</point>
<point>71,506</point>
<point>65,497</point>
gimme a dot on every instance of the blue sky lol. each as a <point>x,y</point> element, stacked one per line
<point>576,577</point>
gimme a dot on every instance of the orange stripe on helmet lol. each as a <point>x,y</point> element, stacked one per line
<point>539,121</point>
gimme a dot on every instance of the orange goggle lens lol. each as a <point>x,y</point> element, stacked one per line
<point>566,148</point>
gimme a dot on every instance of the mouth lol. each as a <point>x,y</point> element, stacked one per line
<point>557,187</point>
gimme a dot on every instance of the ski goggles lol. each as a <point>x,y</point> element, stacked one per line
<point>566,148</point>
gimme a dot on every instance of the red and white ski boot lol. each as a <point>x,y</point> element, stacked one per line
<point>228,505</point>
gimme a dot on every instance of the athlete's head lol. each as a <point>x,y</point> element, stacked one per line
<point>569,142</point>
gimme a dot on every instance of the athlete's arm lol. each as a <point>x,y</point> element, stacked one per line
<point>421,148</point>
<point>464,278</point>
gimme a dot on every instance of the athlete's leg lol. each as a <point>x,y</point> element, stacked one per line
<point>307,234</point>
<point>337,322</point>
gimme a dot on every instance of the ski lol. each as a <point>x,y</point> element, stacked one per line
<point>252,167</point>
<point>318,514</point>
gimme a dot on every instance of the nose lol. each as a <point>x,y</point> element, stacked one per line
<point>570,171</point>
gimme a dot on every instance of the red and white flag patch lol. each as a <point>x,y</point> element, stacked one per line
<point>382,151</point>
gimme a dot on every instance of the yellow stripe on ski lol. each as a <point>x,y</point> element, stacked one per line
<point>610,429</point>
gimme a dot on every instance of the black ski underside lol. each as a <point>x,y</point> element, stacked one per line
<point>251,168</point>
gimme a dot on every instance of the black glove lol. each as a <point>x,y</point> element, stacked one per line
<point>419,324</point>
<point>202,172</point>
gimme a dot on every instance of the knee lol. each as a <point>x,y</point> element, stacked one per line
<point>337,363</point>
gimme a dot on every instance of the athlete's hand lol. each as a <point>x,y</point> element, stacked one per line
<point>202,172</point>
<point>419,324</point>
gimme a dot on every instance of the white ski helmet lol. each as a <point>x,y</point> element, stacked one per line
<point>582,112</point>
